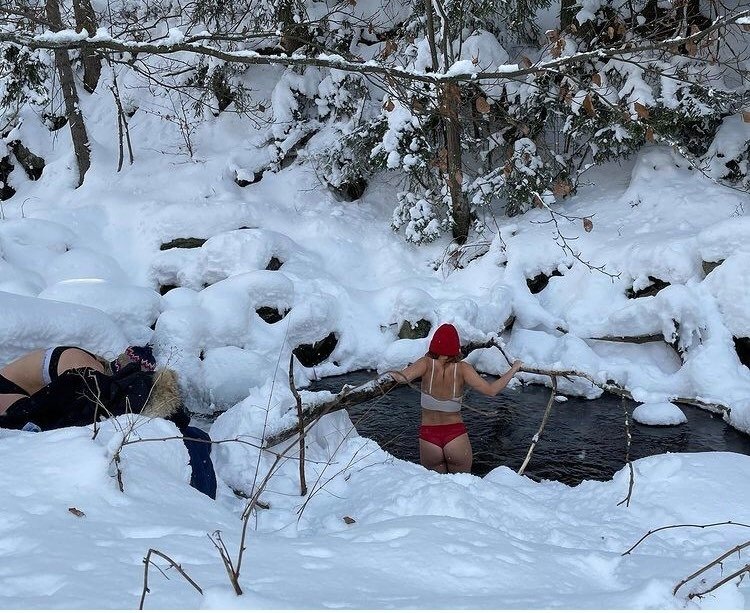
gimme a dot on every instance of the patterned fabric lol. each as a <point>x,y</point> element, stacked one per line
<point>141,355</point>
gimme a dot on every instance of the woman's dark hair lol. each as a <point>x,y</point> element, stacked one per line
<point>451,358</point>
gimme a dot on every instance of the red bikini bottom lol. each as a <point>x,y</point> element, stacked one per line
<point>443,434</point>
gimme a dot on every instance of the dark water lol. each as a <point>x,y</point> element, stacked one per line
<point>583,439</point>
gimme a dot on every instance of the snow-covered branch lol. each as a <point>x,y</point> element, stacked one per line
<point>70,39</point>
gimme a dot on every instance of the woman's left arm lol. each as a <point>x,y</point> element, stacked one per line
<point>411,372</point>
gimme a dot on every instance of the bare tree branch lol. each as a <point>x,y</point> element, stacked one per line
<point>298,399</point>
<point>671,527</point>
<point>538,434</point>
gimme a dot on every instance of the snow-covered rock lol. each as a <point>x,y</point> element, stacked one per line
<point>659,414</point>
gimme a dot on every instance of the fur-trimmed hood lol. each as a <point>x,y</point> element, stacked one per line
<point>164,399</point>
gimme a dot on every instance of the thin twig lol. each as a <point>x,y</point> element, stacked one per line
<point>147,561</point>
<point>718,584</point>
<point>535,438</point>
<point>302,482</point>
<point>654,531</point>
<point>628,439</point>
<point>232,572</point>
<point>735,549</point>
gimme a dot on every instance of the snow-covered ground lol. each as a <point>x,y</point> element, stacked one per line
<point>84,267</point>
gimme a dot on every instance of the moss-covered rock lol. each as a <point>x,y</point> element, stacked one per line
<point>412,331</point>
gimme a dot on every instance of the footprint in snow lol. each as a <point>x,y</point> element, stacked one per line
<point>155,532</point>
<point>458,550</point>
<point>316,566</point>
<point>466,570</point>
<point>316,552</point>
<point>384,536</point>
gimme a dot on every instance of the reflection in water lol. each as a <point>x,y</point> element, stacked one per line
<point>583,439</point>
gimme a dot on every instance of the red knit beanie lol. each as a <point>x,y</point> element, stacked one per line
<point>445,341</point>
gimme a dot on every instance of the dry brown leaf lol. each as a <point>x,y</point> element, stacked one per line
<point>557,48</point>
<point>588,225</point>
<point>552,35</point>
<point>389,48</point>
<point>650,134</point>
<point>475,60</point>
<point>610,32</point>
<point>525,62</point>
<point>596,79</point>
<point>561,188</point>
<point>538,202</point>
<point>746,116</point>
<point>588,106</point>
<point>389,106</point>
<point>691,48</point>
<point>746,27</point>
<point>641,110</point>
<point>348,520</point>
<point>76,512</point>
<point>482,105</point>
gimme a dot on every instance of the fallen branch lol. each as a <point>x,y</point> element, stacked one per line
<point>347,397</point>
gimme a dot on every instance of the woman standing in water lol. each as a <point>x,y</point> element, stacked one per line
<point>444,444</point>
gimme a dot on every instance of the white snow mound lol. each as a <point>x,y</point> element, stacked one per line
<point>659,414</point>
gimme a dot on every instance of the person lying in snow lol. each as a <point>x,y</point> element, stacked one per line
<point>70,386</point>
<point>444,444</point>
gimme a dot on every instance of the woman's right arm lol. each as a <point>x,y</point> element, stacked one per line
<point>490,388</point>
<point>411,372</point>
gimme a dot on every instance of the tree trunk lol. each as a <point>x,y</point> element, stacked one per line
<point>431,33</point>
<point>293,36</point>
<point>92,62</point>
<point>450,103</point>
<point>70,96</point>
